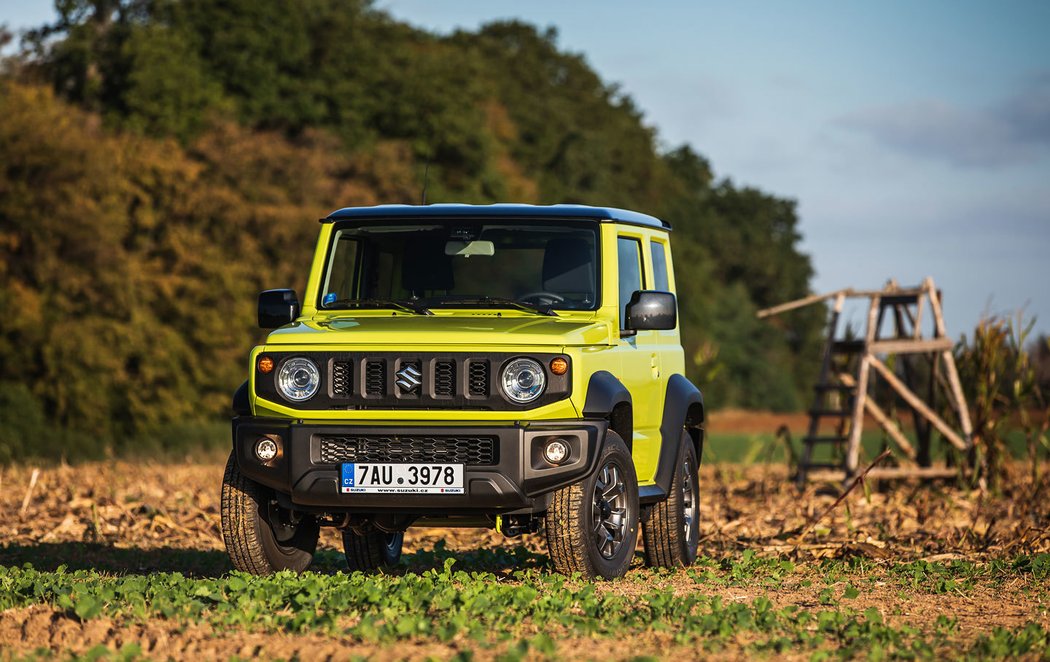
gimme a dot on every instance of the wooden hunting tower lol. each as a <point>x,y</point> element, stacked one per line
<point>864,376</point>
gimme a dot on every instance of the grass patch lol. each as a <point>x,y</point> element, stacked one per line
<point>526,611</point>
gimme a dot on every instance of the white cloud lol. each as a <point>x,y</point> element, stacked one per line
<point>1014,131</point>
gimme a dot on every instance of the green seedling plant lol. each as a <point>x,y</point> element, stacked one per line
<point>527,612</point>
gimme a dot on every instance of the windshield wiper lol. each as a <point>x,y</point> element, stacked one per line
<point>501,302</point>
<point>407,306</point>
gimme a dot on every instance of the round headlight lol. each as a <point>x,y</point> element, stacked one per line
<point>298,379</point>
<point>523,380</point>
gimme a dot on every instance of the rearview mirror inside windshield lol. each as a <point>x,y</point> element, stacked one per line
<point>468,248</point>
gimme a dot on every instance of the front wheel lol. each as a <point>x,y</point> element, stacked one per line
<point>592,525</point>
<point>672,531</point>
<point>260,536</point>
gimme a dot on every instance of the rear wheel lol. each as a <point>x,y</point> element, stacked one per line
<point>672,531</point>
<point>260,536</point>
<point>373,550</point>
<point>592,525</point>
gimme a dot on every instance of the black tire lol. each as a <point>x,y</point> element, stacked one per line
<point>576,519</point>
<point>373,550</point>
<point>671,533</point>
<point>250,539</point>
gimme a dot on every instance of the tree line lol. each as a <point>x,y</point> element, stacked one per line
<point>161,161</point>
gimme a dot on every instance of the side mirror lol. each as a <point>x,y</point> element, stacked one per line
<point>277,308</point>
<point>650,310</point>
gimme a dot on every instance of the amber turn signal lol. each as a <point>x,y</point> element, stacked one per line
<point>265,365</point>
<point>559,366</point>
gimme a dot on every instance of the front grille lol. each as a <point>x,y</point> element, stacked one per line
<point>445,379</point>
<point>474,451</point>
<point>422,381</point>
<point>478,373</point>
<point>375,378</point>
<point>342,372</point>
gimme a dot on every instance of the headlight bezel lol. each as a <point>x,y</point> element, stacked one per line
<point>507,385</point>
<point>291,368</point>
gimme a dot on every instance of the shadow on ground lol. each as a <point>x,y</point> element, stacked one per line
<point>102,557</point>
<point>105,558</point>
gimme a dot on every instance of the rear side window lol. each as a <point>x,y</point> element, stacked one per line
<point>629,256</point>
<point>660,280</point>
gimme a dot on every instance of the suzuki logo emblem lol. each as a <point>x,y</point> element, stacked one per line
<point>409,378</point>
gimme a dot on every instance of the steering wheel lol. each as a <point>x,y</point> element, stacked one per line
<point>550,297</point>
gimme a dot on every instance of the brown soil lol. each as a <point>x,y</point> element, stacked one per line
<point>754,422</point>
<point>142,517</point>
<point>22,630</point>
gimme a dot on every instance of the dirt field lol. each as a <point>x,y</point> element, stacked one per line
<point>923,571</point>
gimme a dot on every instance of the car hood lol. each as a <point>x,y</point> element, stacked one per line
<point>470,329</point>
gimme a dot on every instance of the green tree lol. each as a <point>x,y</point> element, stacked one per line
<point>161,161</point>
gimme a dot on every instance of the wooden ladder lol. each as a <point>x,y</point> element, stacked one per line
<point>832,401</point>
<point>841,395</point>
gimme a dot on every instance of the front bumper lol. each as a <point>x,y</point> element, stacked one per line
<point>515,479</point>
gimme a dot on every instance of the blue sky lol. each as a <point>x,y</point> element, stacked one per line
<point>915,136</point>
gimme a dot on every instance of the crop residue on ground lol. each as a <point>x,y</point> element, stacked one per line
<point>129,557</point>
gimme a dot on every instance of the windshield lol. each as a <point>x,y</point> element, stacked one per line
<point>537,267</point>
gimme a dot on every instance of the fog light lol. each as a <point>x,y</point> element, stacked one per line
<point>266,449</point>
<point>556,451</point>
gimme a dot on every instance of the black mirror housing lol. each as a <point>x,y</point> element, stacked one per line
<point>277,308</point>
<point>651,310</point>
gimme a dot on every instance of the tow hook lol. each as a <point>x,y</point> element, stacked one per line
<point>513,526</point>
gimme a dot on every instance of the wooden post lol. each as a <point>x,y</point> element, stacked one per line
<point>949,367</point>
<point>857,425</point>
<point>917,322</point>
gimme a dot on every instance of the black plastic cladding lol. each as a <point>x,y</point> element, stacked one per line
<point>370,383</point>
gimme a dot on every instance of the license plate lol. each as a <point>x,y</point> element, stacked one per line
<point>387,478</point>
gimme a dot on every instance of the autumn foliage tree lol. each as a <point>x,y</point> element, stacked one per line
<point>161,161</point>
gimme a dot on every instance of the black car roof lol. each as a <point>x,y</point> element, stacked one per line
<point>504,210</point>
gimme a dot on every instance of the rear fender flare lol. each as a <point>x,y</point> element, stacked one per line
<point>683,409</point>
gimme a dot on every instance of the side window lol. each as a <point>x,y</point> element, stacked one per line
<point>629,256</point>
<point>659,253</point>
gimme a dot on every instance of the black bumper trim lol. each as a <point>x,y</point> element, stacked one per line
<point>519,482</point>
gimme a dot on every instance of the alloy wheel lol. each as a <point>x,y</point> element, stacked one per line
<point>609,510</point>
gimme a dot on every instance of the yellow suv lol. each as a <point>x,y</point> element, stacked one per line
<point>507,366</point>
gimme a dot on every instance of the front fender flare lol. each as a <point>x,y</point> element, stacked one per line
<point>241,406</point>
<point>604,393</point>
